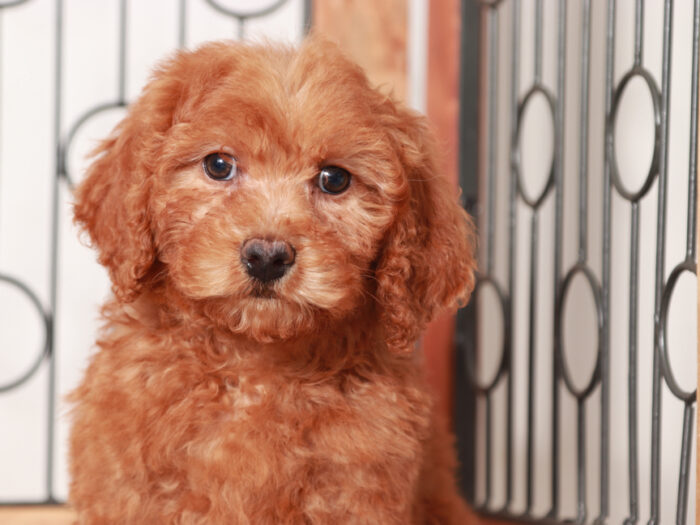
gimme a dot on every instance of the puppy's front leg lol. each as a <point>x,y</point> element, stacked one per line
<point>375,492</point>
<point>364,464</point>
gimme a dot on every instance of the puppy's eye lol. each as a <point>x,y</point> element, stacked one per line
<point>219,166</point>
<point>334,180</point>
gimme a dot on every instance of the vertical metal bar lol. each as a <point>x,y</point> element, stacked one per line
<point>660,263</point>
<point>512,232</point>
<point>531,360</point>
<point>241,28</point>
<point>581,460</point>
<point>633,455</point>
<point>558,223</point>
<point>604,419</point>
<point>489,448</point>
<point>493,99</point>
<point>122,53</point>
<point>605,293</point>
<point>309,16</point>
<point>583,255</point>
<point>638,32</point>
<point>583,138</point>
<point>684,474</point>
<point>55,218</point>
<point>470,107</point>
<point>538,41</point>
<point>488,13</point>
<point>691,242</point>
<point>182,24</point>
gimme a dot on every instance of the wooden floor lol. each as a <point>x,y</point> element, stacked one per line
<point>61,515</point>
<point>57,515</point>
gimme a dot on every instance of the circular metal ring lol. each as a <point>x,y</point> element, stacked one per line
<point>662,331</point>
<point>46,321</point>
<point>243,14</point>
<point>533,203</point>
<point>595,289</point>
<point>65,149</point>
<point>486,387</point>
<point>636,71</point>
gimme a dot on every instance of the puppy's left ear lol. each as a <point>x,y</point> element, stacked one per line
<point>427,262</point>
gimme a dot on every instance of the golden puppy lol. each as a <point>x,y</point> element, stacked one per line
<point>278,234</point>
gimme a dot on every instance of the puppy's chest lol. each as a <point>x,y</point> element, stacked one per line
<point>245,398</point>
<point>240,397</point>
<point>259,433</point>
<point>292,411</point>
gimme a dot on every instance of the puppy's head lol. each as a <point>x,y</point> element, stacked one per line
<point>274,191</point>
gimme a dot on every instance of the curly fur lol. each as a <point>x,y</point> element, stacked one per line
<point>207,403</point>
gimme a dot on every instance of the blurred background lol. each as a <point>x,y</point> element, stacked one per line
<point>570,379</point>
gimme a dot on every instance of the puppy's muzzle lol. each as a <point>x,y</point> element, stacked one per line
<point>266,260</point>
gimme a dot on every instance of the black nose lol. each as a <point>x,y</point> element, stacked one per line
<point>266,260</point>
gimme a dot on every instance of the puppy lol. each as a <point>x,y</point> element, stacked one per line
<point>277,233</point>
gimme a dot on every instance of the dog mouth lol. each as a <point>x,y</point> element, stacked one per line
<point>263,292</point>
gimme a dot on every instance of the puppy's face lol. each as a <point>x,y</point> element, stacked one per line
<point>273,197</point>
<point>271,186</point>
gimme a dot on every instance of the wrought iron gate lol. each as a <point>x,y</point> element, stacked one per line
<point>585,224</point>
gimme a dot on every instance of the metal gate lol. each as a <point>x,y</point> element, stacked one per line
<point>609,437</point>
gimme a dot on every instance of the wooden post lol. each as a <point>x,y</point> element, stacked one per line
<point>373,34</point>
<point>443,112</point>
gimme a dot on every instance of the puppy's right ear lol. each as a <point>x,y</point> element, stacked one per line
<point>112,202</point>
<point>111,205</point>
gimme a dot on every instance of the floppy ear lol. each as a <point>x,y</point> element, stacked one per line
<point>111,206</point>
<point>427,263</point>
<point>112,202</point>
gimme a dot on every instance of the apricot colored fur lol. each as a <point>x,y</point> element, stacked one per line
<point>207,404</point>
